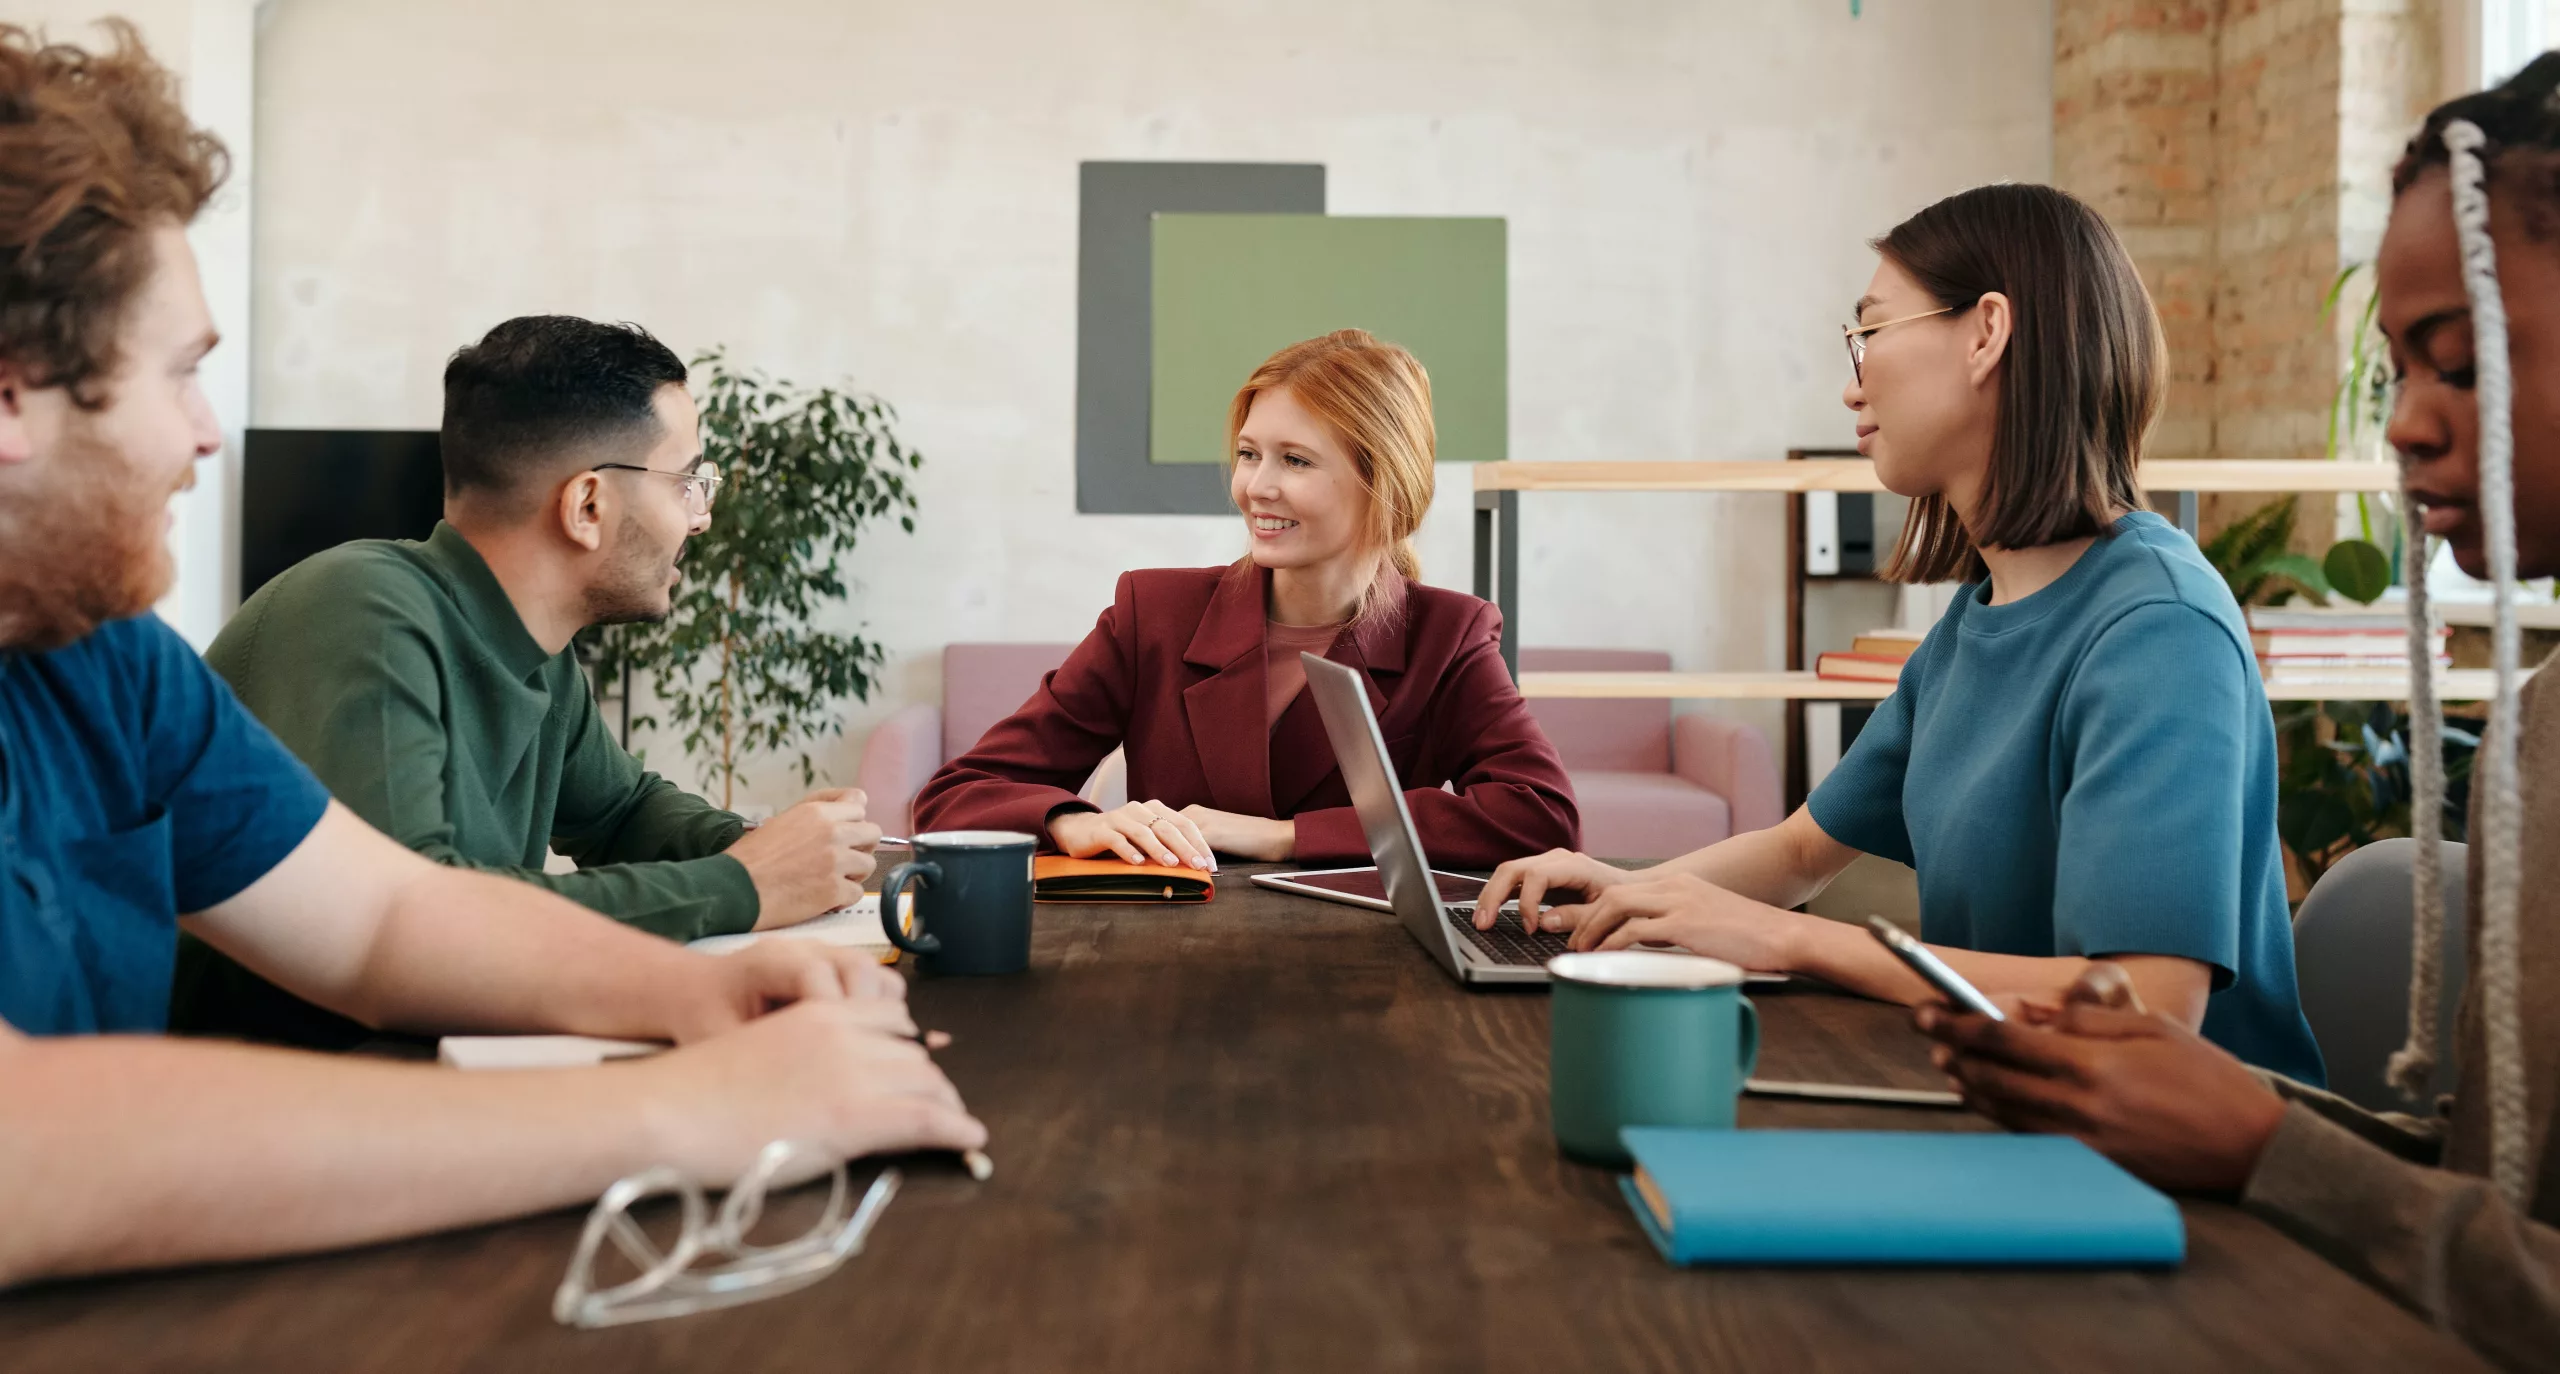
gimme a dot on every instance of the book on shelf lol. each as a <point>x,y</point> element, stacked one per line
<point>1887,643</point>
<point>2329,619</point>
<point>1859,667</point>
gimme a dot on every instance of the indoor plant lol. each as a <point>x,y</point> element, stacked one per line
<point>737,667</point>
<point>2343,766</point>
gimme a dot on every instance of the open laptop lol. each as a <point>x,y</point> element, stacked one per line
<point>1437,908</point>
<point>1444,928</point>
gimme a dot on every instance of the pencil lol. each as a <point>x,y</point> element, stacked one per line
<point>981,1168</point>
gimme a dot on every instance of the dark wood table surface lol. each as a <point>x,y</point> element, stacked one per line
<point>1267,1134</point>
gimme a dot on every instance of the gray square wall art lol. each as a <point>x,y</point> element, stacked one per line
<point>1114,318</point>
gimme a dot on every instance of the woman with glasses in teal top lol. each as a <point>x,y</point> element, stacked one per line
<point>2078,760</point>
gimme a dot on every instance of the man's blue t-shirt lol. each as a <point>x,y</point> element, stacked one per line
<point>2092,770</point>
<point>132,788</point>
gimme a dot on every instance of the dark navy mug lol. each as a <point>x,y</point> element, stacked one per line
<point>972,902</point>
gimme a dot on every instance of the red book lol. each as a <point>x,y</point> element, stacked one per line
<point>1858,667</point>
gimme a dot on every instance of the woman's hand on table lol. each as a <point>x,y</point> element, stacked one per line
<point>2136,1086</point>
<point>1142,832</point>
<point>1687,911</point>
<point>1247,837</point>
<point>1534,880</point>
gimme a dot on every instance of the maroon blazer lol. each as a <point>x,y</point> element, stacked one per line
<point>1174,670</point>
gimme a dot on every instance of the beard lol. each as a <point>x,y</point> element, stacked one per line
<point>633,588</point>
<point>82,543</point>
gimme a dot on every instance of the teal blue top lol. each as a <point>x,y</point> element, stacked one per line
<point>2088,771</point>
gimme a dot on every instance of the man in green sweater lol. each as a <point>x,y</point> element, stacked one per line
<point>431,687</point>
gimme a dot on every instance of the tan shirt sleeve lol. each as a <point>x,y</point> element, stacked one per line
<point>2418,1139</point>
<point>2439,1242</point>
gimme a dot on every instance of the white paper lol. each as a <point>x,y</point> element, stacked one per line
<point>537,1051</point>
<point>853,927</point>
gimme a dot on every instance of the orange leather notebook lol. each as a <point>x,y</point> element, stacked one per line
<point>1057,878</point>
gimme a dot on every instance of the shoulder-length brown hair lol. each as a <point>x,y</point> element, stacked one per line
<point>2079,386</point>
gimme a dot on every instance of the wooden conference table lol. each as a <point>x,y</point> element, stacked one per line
<point>1265,1134</point>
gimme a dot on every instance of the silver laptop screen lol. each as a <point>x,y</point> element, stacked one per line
<point>1378,796</point>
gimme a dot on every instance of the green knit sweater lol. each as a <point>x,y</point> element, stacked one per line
<point>401,673</point>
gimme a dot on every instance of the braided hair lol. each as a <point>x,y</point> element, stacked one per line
<point>2511,134</point>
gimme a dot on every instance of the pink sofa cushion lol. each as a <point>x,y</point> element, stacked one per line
<point>1639,815</point>
<point>1630,736</point>
<point>984,683</point>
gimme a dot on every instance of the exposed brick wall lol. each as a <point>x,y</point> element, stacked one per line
<point>2276,183</point>
<point>2242,147</point>
<point>2133,112</point>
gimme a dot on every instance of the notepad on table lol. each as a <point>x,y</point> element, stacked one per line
<point>1916,1198</point>
<point>1056,878</point>
<point>855,927</point>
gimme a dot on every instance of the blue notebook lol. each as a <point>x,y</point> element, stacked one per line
<point>1862,1197</point>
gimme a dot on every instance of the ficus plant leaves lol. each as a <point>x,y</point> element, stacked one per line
<point>738,669</point>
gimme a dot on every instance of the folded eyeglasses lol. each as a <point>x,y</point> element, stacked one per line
<point>712,1264</point>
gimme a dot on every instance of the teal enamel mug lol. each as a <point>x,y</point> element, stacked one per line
<point>1644,1038</point>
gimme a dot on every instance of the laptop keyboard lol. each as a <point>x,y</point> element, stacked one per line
<point>1509,942</point>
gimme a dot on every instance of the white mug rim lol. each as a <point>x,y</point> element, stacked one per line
<point>972,839</point>
<point>1645,970</point>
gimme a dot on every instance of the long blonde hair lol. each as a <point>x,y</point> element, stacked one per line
<point>1377,397</point>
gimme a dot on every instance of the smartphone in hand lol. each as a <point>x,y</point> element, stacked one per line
<point>1950,984</point>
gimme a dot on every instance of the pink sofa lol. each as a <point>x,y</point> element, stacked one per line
<point>1652,786</point>
<point>1649,786</point>
<point>981,685</point>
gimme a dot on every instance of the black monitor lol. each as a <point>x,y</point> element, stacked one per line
<point>304,490</point>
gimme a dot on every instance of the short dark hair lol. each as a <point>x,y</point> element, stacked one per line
<point>95,153</point>
<point>2521,126</point>
<point>2080,384</point>
<point>540,390</point>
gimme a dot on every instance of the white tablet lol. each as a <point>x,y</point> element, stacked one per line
<point>1363,887</point>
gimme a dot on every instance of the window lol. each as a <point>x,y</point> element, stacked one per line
<point>2512,33</point>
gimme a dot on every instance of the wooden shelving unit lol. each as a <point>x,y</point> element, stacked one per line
<point>2459,684</point>
<point>1857,474</point>
<point>1498,487</point>
<point>1777,686</point>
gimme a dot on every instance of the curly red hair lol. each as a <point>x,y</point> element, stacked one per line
<point>95,152</point>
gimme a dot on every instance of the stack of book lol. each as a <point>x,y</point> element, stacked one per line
<point>2310,642</point>
<point>1876,656</point>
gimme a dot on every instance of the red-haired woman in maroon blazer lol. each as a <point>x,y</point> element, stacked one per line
<point>1196,670</point>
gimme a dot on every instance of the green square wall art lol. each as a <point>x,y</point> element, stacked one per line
<point>1231,290</point>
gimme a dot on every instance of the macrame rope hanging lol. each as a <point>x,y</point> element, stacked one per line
<point>2498,828</point>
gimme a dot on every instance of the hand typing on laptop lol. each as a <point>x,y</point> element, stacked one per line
<point>1532,880</point>
<point>1669,907</point>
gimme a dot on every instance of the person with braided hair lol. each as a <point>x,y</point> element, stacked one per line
<point>2455,1215</point>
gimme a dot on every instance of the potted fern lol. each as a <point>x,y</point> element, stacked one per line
<point>738,667</point>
